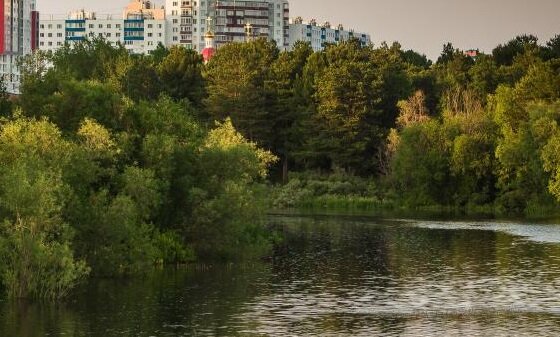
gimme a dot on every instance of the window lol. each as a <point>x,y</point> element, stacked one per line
<point>100,26</point>
<point>91,26</point>
<point>118,26</point>
<point>109,26</point>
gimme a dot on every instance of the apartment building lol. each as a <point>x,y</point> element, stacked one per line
<point>187,21</point>
<point>319,35</point>
<point>140,29</point>
<point>18,37</point>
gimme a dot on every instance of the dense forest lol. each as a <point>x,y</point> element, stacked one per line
<point>111,162</point>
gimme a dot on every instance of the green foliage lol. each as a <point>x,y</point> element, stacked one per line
<point>551,159</point>
<point>6,104</point>
<point>421,170</point>
<point>236,78</point>
<point>113,162</point>
<point>141,80</point>
<point>315,190</point>
<point>225,222</point>
<point>34,240</point>
<point>506,53</point>
<point>180,73</point>
<point>93,59</point>
<point>171,248</point>
<point>36,266</point>
<point>76,100</point>
<point>146,186</point>
<point>484,76</point>
<point>353,106</point>
<point>415,59</point>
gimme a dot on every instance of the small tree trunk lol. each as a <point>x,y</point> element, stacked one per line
<point>285,169</point>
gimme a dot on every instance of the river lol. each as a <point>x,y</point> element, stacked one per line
<point>334,276</point>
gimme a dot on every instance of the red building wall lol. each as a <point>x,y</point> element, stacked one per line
<point>34,30</point>
<point>2,28</point>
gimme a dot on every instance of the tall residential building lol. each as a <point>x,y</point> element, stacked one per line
<point>140,29</point>
<point>18,37</point>
<point>187,19</point>
<point>191,23</point>
<point>319,35</point>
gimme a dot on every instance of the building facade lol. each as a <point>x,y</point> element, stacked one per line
<point>187,21</point>
<point>320,35</point>
<point>18,37</point>
<point>139,31</point>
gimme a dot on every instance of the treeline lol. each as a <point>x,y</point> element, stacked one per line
<point>493,138</point>
<point>111,162</point>
<point>465,132</point>
<point>100,175</point>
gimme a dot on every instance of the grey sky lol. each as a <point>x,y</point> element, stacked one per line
<point>420,25</point>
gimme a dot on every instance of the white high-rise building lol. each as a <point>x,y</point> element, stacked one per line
<point>140,29</point>
<point>187,19</point>
<point>18,37</point>
<point>320,35</point>
<point>184,22</point>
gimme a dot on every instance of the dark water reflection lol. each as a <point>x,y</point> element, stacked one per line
<point>335,276</point>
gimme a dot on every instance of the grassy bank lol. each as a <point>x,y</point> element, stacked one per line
<point>341,192</point>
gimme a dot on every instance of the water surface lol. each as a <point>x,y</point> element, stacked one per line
<point>334,276</point>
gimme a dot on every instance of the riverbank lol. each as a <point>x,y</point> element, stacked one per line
<point>339,192</point>
<point>369,276</point>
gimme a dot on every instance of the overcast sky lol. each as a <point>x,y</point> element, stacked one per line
<point>422,25</point>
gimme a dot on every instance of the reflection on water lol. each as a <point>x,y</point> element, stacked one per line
<point>534,232</point>
<point>334,276</point>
